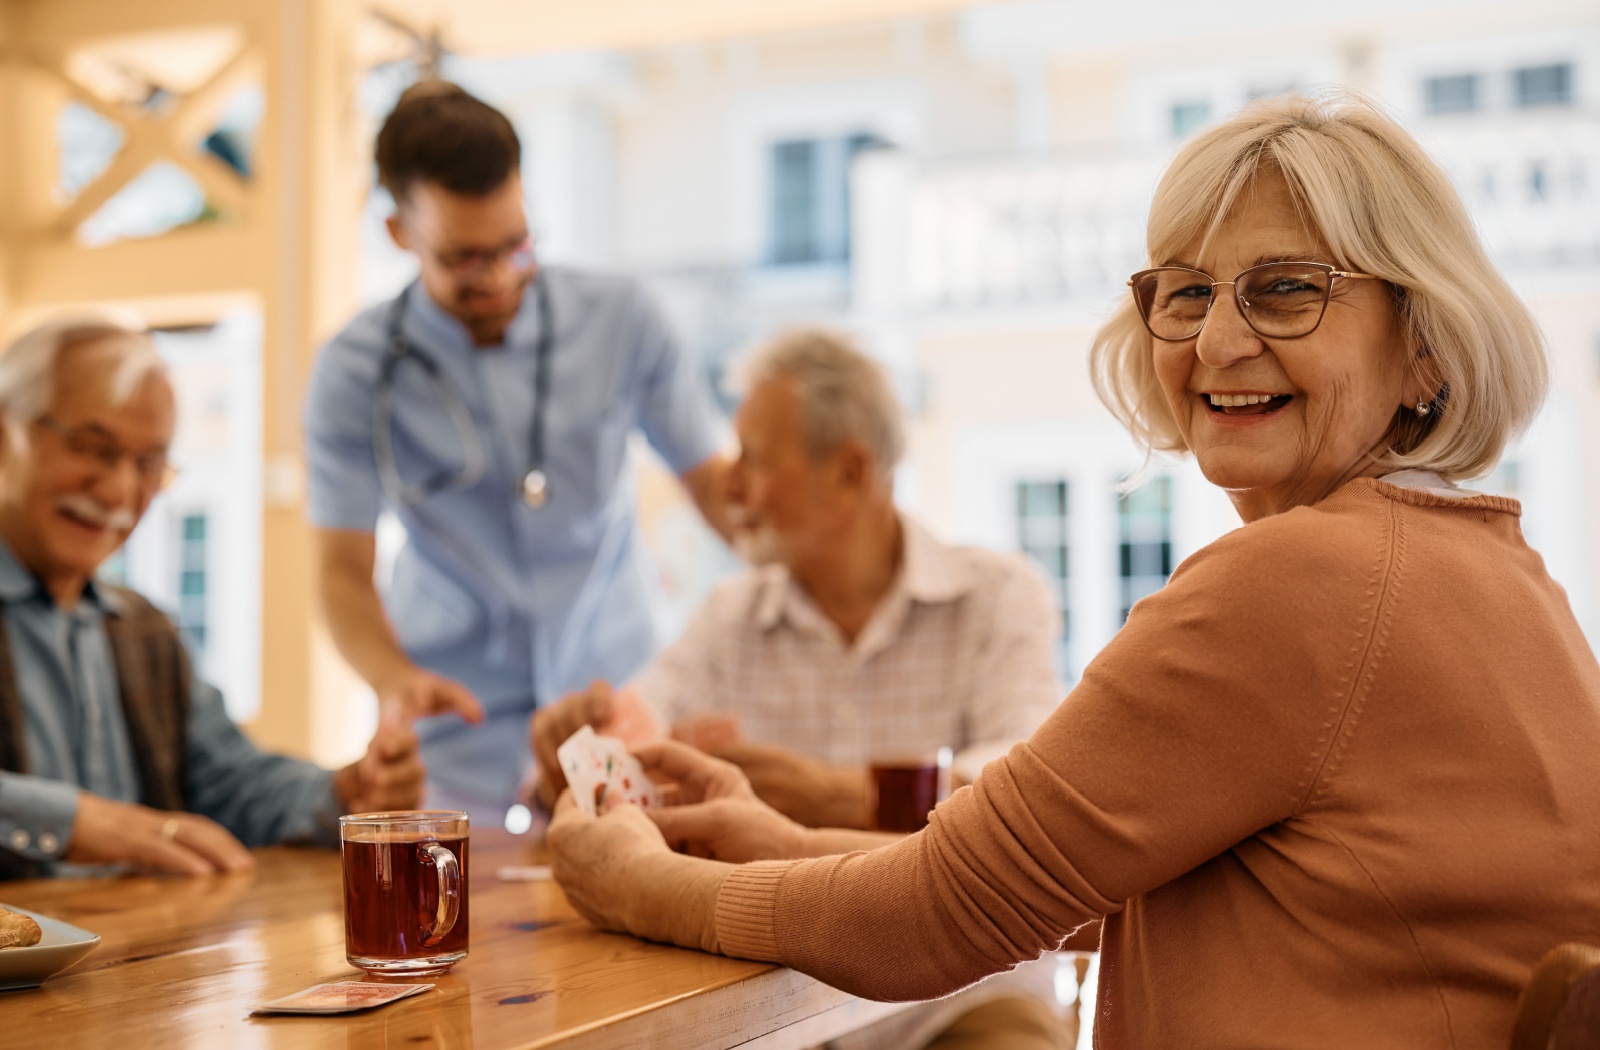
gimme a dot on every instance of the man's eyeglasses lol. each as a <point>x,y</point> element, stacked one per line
<point>471,264</point>
<point>1283,300</point>
<point>90,441</point>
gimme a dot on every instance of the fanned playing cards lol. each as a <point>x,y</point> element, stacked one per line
<point>602,774</point>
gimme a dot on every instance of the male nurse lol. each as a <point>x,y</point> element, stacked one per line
<point>490,408</point>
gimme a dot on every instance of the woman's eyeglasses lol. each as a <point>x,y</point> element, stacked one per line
<point>1282,300</point>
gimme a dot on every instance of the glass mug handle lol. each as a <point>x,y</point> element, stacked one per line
<point>449,872</point>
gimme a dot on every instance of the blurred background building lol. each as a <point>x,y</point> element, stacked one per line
<point>963,186</point>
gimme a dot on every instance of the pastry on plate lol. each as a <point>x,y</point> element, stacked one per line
<point>17,931</point>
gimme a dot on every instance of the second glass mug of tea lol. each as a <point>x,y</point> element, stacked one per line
<point>405,890</point>
<point>904,788</point>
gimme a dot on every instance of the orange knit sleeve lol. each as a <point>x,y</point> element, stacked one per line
<point>1206,719</point>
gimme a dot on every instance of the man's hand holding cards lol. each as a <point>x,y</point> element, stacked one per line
<point>602,774</point>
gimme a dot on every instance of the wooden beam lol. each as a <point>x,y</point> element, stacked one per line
<point>522,27</point>
<point>309,191</point>
<point>49,21</point>
<point>197,112</point>
<point>10,73</point>
<point>203,260</point>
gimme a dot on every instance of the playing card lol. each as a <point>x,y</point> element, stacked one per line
<point>602,773</point>
<point>583,766</point>
<point>340,998</point>
<point>530,873</point>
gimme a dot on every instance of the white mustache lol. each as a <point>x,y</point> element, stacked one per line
<point>89,509</point>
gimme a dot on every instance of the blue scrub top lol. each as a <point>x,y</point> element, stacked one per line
<point>519,604</point>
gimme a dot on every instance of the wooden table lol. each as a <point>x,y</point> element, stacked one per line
<point>182,961</point>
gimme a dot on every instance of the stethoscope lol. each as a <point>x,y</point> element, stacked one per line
<point>535,489</point>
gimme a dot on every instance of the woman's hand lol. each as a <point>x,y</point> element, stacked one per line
<point>604,863</point>
<point>734,830</point>
<point>699,777</point>
<point>719,816</point>
<point>617,871</point>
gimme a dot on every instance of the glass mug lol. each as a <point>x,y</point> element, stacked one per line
<point>405,891</point>
<point>905,789</point>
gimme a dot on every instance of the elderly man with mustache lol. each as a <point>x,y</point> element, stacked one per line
<point>112,754</point>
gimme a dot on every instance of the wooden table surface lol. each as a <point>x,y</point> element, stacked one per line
<point>182,962</point>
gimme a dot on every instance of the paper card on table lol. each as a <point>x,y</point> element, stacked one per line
<point>602,773</point>
<point>340,998</point>
<point>525,873</point>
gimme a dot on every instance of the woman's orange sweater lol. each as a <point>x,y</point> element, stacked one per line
<point>1337,785</point>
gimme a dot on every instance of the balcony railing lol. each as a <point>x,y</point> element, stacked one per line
<point>1008,233</point>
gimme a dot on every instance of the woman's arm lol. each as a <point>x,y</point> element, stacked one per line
<point>823,842</point>
<point>1210,716</point>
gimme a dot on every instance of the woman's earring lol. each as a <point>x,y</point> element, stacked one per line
<point>1424,409</point>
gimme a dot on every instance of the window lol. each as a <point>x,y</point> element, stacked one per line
<point>1452,94</point>
<point>1042,536</point>
<point>811,198</point>
<point>1144,524</point>
<point>1543,85</point>
<point>1189,117</point>
<point>192,580</point>
<point>1536,181</point>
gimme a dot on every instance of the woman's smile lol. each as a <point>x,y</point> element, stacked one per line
<point>1234,409</point>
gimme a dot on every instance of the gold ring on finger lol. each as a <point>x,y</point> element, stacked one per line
<point>169,830</point>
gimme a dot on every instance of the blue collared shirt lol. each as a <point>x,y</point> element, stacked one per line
<point>520,604</point>
<point>77,738</point>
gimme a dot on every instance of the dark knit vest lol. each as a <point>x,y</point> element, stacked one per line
<point>153,678</point>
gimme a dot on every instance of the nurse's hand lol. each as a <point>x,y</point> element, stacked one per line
<point>617,713</point>
<point>420,693</point>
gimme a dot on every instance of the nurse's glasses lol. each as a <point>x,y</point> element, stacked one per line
<point>1280,300</point>
<point>471,264</point>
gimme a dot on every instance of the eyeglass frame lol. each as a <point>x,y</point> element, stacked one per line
<point>1239,301</point>
<point>470,264</point>
<point>155,477</point>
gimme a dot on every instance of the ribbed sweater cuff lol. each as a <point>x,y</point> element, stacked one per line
<point>747,907</point>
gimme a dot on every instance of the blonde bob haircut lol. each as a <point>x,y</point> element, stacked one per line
<point>1367,191</point>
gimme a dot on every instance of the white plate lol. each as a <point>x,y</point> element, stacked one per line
<point>62,945</point>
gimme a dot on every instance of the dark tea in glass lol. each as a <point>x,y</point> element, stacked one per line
<point>904,790</point>
<point>405,890</point>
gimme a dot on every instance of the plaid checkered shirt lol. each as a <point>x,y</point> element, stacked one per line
<point>959,654</point>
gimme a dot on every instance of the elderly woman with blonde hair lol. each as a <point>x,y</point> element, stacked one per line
<point>1335,784</point>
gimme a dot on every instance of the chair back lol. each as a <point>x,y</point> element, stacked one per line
<point>1560,1008</point>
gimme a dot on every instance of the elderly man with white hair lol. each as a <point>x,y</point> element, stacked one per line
<point>111,752</point>
<point>857,636</point>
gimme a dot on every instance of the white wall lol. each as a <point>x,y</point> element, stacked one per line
<point>218,452</point>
